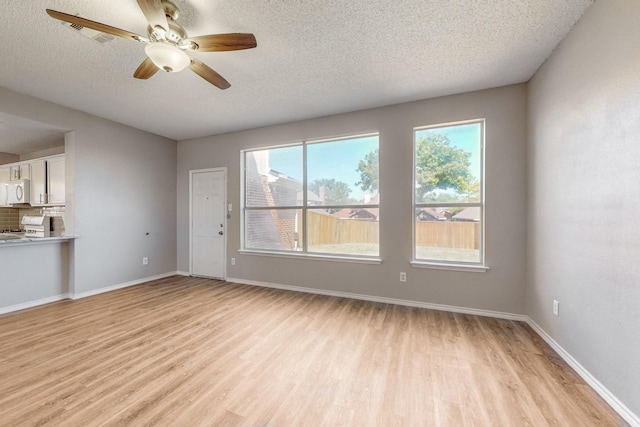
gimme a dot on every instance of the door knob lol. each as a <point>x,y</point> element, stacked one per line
<point>220,233</point>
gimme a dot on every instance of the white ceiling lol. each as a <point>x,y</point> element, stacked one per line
<point>314,58</point>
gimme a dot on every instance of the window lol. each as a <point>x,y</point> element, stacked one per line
<point>448,193</point>
<point>317,197</point>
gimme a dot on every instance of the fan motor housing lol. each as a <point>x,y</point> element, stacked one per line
<point>175,34</point>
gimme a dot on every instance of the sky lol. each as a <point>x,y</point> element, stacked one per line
<point>339,159</point>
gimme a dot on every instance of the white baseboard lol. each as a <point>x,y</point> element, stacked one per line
<point>183,273</point>
<point>604,392</point>
<point>48,300</point>
<point>408,303</point>
<point>92,292</point>
<point>31,304</point>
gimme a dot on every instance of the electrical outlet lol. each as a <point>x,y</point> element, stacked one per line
<point>403,276</point>
<point>233,261</point>
<point>556,307</point>
<point>145,261</point>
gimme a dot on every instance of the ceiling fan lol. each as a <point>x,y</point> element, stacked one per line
<point>167,43</point>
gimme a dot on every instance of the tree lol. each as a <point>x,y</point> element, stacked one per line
<point>369,169</point>
<point>335,192</point>
<point>441,166</point>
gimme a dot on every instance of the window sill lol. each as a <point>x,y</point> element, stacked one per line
<point>454,267</point>
<point>313,257</point>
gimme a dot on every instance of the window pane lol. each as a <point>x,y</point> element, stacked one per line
<point>448,234</point>
<point>346,231</point>
<point>274,177</point>
<point>448,163</point>
<point>343,172</point>
<point>274,229</point>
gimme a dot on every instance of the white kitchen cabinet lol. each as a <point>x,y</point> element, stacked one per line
<point>38,170</point>
<point>55,181</point>
<point>5,174</point>
<point>46,177</point>
<point>19,171</point>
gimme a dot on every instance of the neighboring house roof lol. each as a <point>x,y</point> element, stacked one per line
<point>468,214</point>
<point>274,175</point>
<point>430,214</point>
<point>357,213</point>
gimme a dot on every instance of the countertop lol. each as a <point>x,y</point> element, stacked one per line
<point>34,240</point>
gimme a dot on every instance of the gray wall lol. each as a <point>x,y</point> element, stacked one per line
<point>122,186</point>
<point>499,289</point>
<point>584,197</point>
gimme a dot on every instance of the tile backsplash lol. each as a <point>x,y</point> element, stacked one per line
<point>10,217</point>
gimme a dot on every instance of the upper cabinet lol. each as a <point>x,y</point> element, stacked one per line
<point>46,176</point>
<point>5,176</point>
<point>55,181</point>
<point>20,171</point>
<point>38,186</point>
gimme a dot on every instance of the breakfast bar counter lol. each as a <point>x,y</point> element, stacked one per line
<point>22,240</point>
<point>35,271</point>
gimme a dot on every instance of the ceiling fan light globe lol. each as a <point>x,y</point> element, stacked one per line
<point>167,57</point>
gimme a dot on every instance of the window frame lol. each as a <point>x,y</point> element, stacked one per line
<point>479,266</point>
<point>303,251</point>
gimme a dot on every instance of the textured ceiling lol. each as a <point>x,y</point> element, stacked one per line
<point>314,58</point>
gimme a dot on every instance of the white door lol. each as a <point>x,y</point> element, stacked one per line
<point>208,222</point>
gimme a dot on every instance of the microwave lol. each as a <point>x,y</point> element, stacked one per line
<point>18,192</point>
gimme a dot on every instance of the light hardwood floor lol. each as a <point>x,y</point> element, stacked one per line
<point>190,352</point>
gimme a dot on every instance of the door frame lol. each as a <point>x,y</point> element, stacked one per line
<point>225,216</point>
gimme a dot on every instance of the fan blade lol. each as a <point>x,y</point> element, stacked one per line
<point>224,42</point>
<point>154,12</point>
<point>208,74</point>
<point>76,20</point>
<point>146,70</point>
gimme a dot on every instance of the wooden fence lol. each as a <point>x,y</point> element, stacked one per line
<point>441,234</point>
<point>325,230</point>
